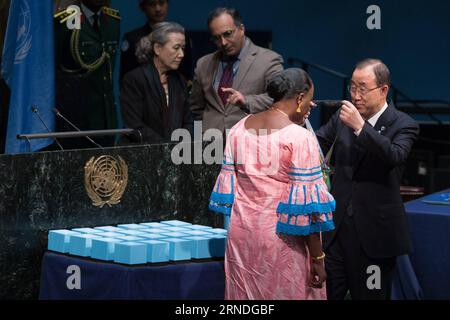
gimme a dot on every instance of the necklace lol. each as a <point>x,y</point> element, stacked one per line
<point>280,111</point>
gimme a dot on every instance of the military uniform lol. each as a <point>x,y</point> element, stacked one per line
<point>84,72</point>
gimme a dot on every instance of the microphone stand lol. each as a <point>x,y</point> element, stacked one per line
<point>36,111</point>
<point>75,127</point>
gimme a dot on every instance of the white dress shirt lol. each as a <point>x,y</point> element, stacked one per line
<point>373,120</point>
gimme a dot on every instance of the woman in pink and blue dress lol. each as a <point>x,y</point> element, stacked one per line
<point>272,188</point>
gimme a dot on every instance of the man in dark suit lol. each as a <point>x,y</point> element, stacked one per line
<point>372,141</point>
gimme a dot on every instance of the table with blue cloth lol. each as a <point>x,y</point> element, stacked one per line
<point>189,280</point>
<point>425,274</point>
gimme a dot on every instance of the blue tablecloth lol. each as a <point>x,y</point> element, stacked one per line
<point>101,280</point>
<point>425,274</point>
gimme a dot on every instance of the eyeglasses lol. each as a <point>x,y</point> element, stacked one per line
<point>361,90</point>
<point>226,35</point>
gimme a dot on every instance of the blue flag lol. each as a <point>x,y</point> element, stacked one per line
<point>28,67</point>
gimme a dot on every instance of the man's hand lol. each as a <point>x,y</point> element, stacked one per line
<point>350,116</point>
<point>235,97</point>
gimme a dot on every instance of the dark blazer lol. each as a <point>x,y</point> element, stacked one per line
<point>366,182</point>
<point>129,62</point>
<point>257,66</point>
<point>144,105</point>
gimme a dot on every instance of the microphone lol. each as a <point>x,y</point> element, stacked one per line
<point>35,110</point>
<point>328,103</point>
<point>56,111</point>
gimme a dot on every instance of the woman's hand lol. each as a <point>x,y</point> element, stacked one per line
<point>318,274</point>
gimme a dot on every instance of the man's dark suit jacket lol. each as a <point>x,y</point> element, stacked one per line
<point>368,171</point>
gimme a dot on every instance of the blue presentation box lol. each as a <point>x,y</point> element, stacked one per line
<point>176,223</point>
<point>154,225</point>
<point>176,229</point>
<point>199,227</point>
<point>58,240</point>
<point>130,253</point>
<point>104,248</point>
<point>111,235</point>
<point>157,251</point>
<point>218,231</point>
<point>180,249</point>
<point>80,245</point>
<point>191,232</point>
<point>152,236</point>
<point>130,238</point>
<point>134,233</point>
<point>156,230</point>
<point>131,226</point>
<point>174,234</point>
<point>108,229</point>
<point>88,230</point>
<point>200,247</point>
<point>217,244</point>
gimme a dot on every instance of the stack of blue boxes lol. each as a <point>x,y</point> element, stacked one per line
<point>142,243</point>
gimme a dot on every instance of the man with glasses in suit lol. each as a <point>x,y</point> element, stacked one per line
<point>371,141</point>
<point>231,82</point>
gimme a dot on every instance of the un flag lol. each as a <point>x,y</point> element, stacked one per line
<point>28,69</point>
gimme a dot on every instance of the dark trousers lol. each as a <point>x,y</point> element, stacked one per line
<point>347,268</point>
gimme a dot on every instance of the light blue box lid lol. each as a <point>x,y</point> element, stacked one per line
<point>198,232</point>
<point>153,236</point>
<point>215,236</point>
<point>157,230</point>
<point>107,240</point>
<point>88,230</point>
<point>130,238</point>
<point>86,236</point>
<point>107,228</point>
<point>131,244</point>
<point>130,232</point>
<point>177,229</point>
<point>154,242</point>
<point>198,227</point>
<point>152,225</point>
<point>111,235</point>
<point>175,240</point>
<point>218,231</point>
<point>176,223</point>
<point>63,232</point>
<point>174,234</point>
<point>196,238</point>
<point>131,226</point>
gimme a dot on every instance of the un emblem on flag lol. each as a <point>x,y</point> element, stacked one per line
<point>24,34</point>
<point>105,180</point>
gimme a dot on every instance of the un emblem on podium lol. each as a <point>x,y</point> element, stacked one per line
<point>105,180</point>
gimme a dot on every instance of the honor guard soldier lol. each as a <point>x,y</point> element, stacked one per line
<point>84,58</point>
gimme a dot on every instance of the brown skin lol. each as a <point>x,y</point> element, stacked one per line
<point>229,46</point>
<point>156,11</point>
<point>274,120</point>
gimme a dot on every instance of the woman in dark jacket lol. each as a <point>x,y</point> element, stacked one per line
<point>154,95</point>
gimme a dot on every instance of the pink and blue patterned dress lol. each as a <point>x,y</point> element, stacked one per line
<point>272,188</point>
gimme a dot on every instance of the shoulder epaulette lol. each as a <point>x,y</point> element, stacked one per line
<point>111,12</point>
<point>61,14</point>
